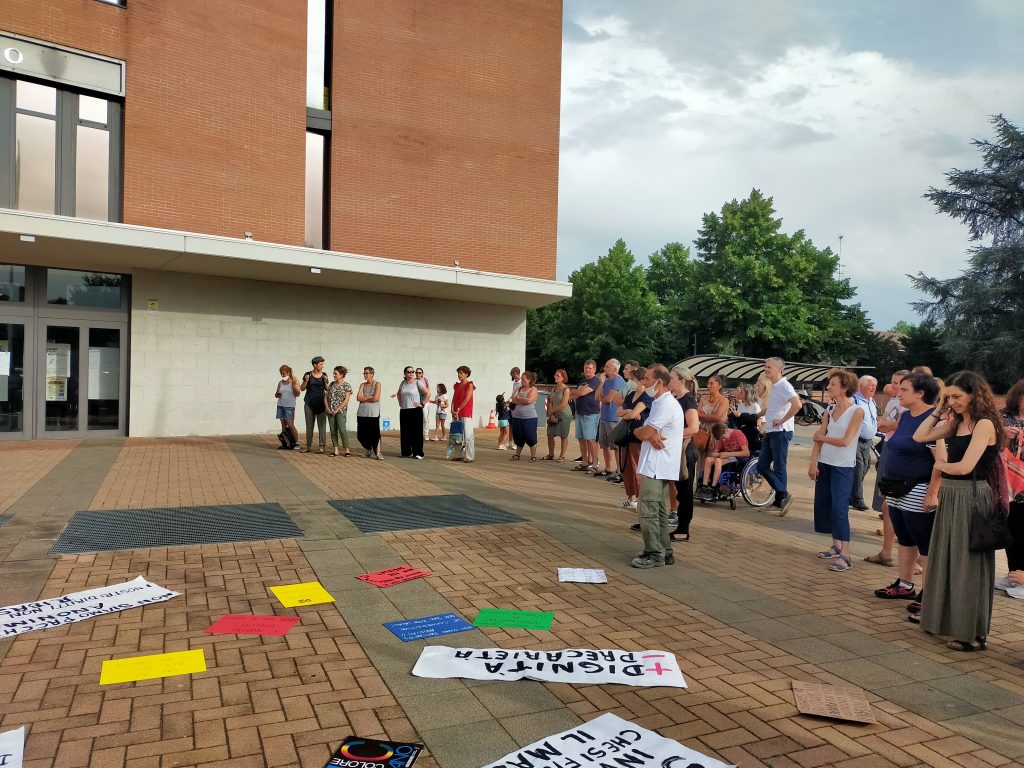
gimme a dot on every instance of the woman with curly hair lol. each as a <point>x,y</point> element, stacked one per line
<point>959,600</point>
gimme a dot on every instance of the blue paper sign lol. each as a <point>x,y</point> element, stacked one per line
<point>428,626</point>
<point>386,425</point>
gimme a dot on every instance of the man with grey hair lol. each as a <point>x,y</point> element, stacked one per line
<point>609,395</point>
<point>783,404</point>
<point>864,398</point>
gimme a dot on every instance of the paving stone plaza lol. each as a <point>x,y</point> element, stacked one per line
<point>747,609</point>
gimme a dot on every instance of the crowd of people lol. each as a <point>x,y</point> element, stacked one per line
<point>650,429</point>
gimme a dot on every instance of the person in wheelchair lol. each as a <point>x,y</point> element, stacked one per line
<point>730,445</point>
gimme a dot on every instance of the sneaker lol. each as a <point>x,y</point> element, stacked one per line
<point>673,520</point>
<point>896,591</point>
<point>1004,583</point>
<point>627,504</point>
<point>614,477</point>
<point>860,506</point>
<point>601,473</point>
<point>418,457</point>
<point>380,457</point>
<point>670,559</point>
<point>296,448</point>
<point>787,502</point>
<point>502,448</point>
<point>647,560</point>
<point>367,454</point>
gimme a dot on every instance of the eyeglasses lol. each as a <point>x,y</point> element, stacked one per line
<point>419,373</point>
<point>409,370</point>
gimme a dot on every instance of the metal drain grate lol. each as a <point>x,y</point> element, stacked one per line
<point>4,519</point>
<point>407,513</point>
<point>110,529</point>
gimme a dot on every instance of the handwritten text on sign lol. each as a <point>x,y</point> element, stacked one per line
<point>607,741</point>
<point>307,593</point>
<point>242,624</point>
<point>77,606</point>
<point>574,665</point>
<point>12,748</point>
<point>391,576</point>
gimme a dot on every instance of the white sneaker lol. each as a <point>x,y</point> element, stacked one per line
<point>627,504</point>
<point>1004,583</point>
<point>502,448</point>
<point>1017,592</point>
<point>380,457</point>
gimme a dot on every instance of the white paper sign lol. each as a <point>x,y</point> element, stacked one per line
<point>583,575</point>
<point>78,606</point>
<point>58,359</point>
<point>572,665</point>
<point>12,748</point>
<point>610,741</point>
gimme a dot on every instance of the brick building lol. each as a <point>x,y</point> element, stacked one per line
<point>193,193</point>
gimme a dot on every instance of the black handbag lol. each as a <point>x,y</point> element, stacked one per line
<point>988,529</point>
<point>895,487</point>
<point>621,432</point>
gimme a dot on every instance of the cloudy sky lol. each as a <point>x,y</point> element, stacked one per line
<point>844,112</point>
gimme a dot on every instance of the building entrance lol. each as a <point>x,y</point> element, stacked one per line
<point>63,353</point>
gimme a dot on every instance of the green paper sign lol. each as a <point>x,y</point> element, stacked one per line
<point>503,617</point>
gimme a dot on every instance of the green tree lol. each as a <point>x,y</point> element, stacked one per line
<point>923,346</point>
<point>672,276</point>
<point>760,291</point>
<point>902,327</point>
<point>980,313</point>
<point>612,313</point>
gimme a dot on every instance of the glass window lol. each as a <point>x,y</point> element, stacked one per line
<point>12,373</point>
<point>36,98</point>
<point>316,52</point>
<point>92,110</point>
<point>92,172</point>
<point>61,387</point>
<point>35,164</point>
<point>104,390</point>
<point>83,289</point>
<point>12,283</point>
<point>314,190</point>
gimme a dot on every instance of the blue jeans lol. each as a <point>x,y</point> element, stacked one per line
<point>832,500</point>
<point>771,461</point>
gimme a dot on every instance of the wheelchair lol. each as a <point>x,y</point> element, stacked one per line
<point>740,479</point>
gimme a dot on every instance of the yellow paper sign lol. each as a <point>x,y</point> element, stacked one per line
<point>149,667</point>
<point>309,593</point>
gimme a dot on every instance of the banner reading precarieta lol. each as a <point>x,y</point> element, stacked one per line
<point>607,740</point>
<point>57,611</point>
<point>573,665</point>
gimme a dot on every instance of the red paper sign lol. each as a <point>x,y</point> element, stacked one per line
<point>244,624</point>
<point>391,576</point>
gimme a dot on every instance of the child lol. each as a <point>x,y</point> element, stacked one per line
<point>442,413</point>
<point>503,414</point>
<point>730,444</point>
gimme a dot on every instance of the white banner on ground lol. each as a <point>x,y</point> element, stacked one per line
<point>57,611</point>
<point>12,748</point>
<point>583,575</point>
<point>573,665</point>
<point>609,741</point>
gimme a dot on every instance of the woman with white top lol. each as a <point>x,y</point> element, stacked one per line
<point>368,414</point>
<point>524,416</point>
<point>411,394</point>
<point>833,460</point>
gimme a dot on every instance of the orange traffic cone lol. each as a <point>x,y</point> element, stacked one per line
<point>491,423</point>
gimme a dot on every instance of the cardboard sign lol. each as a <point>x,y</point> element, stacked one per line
<point>240,624</point>
<point>830,701</point>
<point>307,593</point>
<point>583,575</point>
<point>149,667</point>
<point>78,606</point>
<point>12,748</point>
<point>359,752</point>
<point>428,626</point>
<point>573,665</point>
<point>502,617</point>
<point>607,740</point>
<point>391,576</point>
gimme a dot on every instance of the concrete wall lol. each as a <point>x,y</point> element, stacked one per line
<point>206,363</point>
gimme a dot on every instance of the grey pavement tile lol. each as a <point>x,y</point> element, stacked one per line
<point>865,673</point>
<point>773,608</point>
<point>526,729</point>
<point>813,624</point>
<point>771,630</point>
<point>456,707</point>
<point>860,643</point>
<point>815,650</point>
<point>522,697</point>
<point>723,611</point>
<point>1013,714</point>
<point>468,746</point>
<point>917,667</point>
<point>922,699</point>
<point>992,731</point>
<point>978,692</point>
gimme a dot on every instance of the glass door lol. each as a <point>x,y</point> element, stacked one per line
<point>13,390</point>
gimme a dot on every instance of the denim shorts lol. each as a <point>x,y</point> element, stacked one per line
<point>586,426</point>
<point>288,414</point>
<point>502,423</point>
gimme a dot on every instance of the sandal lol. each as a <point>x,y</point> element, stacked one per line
<point>514,458</point>
<point>879,560</point>
<point>635,527</point>
<point>829,553</point>
<point>841,563</point>
<point>679,538</point>
<point>560,460</point>
<point>533,459</point>
<point>914,618</point>
<point>960,645</point>
<point>347,453</point>
<point>549,457</point>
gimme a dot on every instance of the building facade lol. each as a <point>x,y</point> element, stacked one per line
<point>193,193</point>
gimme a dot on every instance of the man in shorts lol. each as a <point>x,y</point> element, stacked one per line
<point>609,395</point>
<point>588,417</point>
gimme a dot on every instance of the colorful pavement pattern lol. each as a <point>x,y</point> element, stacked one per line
<point>747,609</point>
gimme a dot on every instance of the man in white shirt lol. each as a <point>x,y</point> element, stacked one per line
<point>783,404</point>
<point>864,398</point>
<point>660,456</point>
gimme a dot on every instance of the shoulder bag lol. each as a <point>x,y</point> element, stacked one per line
<point>988,529</point>
<point>1014,467</point>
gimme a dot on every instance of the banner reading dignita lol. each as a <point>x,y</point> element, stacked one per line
<point>57,611</point>
<point>573,665</point>
<point>607,741</point>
